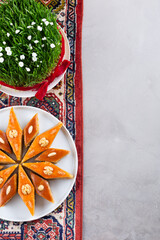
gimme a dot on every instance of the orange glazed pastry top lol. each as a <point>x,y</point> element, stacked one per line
<point>31,130</point>
<point>4,145</point>
<point>26,190</point>
<point>52,155</point>
<point>4,158</point>
<point>4,174</point>
<point>8,190</point>
<point>42,187</point>
<point>42,142</point>
<point>14,134</point>
<point>48,170</point>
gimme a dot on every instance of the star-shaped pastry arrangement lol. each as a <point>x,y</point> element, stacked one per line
<point>42,165</point>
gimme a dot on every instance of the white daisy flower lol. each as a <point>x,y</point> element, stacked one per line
<point>39,28</point>
<point>4,43</point>
<point>36,41</point>
<point>29,26</point>
<point>42,45</point>
<point>8,34</point>
<point>44,20</point>
<point>44,38</point>
<point>51,23</point>
<point>21,64</point>
<point>8,49</point>
<point>29,37</point>
<point>30,46</point>
<point>1,49</point>
<point>1,59</point>
<point>41,23</point>
<point>46,23</point>
<point>11,24</point>
<point>9,53</point>
<point>28,69</point>
<point>1,54</point>
<point>22,57</point>
<point>37,65</point>
<point>33,23</point>
<point>52,45</point>
<point>40,61</point>
<point>34,54</point>
<point>34,59</point>
<point>17,31</point>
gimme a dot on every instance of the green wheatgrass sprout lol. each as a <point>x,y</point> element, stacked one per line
<point>30,43</point>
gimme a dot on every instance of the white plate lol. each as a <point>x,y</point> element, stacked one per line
<point>15,209</point>
<point>31,93</point>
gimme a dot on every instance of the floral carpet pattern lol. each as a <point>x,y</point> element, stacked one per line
<point>65,103</point>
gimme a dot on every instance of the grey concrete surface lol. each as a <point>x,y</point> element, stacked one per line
<point>121,77</point>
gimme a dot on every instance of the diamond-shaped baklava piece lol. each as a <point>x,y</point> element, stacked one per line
<point>42,142</point>
<point>26,190</point>
<point>48,170</point>
<point>31,130</point>
<point>8,190</point>
<point>42,187</point>
<point>4,144</point>
<point>14,134</point>
<point>52,155</point>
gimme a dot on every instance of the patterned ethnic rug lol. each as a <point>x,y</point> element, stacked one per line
<point>65,103</point>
